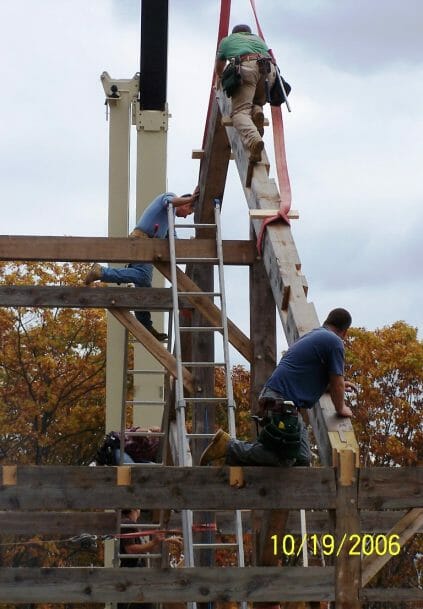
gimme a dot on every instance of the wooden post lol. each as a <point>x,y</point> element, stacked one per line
<point>347,564</point>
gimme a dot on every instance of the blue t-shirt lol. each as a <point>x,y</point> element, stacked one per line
<point>154,220</point>
<point>302,375</point>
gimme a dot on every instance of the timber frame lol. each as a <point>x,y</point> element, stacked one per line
<point>342,499</point>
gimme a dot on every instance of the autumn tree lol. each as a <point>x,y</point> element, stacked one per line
<point>387,365</point>
<point>52,373</point>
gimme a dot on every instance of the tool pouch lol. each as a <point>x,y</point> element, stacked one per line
<point>277,97</point>
<point>282,435</point>
<point>231,77</point>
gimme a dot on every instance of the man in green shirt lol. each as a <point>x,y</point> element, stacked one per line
<point>250,96</point>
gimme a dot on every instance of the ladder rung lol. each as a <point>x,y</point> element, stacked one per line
<point>203,364</point>
<point>200,328</point>
<point>199,293</point>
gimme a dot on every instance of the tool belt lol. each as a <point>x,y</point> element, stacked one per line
<point>253,56</point>
<point>281,431</point>
<point>139,234</point>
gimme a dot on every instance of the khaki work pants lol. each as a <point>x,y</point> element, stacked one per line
<point>250,98</point>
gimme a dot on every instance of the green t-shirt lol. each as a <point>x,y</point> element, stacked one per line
<point>241,43</point>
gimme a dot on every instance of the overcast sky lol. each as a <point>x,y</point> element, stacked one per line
<point>354,137</point>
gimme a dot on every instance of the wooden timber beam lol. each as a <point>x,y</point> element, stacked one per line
<point>390,488</point>
<point>119,249</point>
<point>100,585</point>
<point>289,287</point>
<point>104,523</point>
<point>404,529</point>
<point>58,523</point>
<point>165,487</point>
<point>208,309</point>
<point>152,345</point>
<point>148,299</point>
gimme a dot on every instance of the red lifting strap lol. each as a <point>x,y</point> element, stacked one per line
<point>280,158</point>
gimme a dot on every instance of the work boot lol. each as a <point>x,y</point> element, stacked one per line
<point>255,151</point>
<point>94,274</point>
<point>217,448</point>
<point>258,120</point>
<point>160,336</point>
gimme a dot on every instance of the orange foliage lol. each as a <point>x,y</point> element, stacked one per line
<point>52,373</point>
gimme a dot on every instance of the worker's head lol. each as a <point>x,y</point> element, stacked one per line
<point>131,513</point>
<point>185,210</point>
<point>340,320</point>
<point>241,28</point>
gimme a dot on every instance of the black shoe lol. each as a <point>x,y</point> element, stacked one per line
<point>160,336</point>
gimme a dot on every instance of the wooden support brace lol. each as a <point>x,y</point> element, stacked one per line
<point>123,475</point>
<point>152,345</point>
<point>404,529</point>
<point>207,308</point>
<point>9,475</point>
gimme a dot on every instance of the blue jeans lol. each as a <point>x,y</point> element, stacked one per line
<point>141,275</point>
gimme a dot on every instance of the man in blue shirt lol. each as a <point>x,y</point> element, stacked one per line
<point>153,223</point>
<point>313,365</point>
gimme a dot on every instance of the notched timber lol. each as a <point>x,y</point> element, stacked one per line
<point>119,249</point>
<point>161,487</point>
<point>99,585</point>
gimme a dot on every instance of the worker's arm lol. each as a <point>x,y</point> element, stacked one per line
<point>337,393</point>
<point>141,548</point>
<point>179,201</point>
<point>219,66</point>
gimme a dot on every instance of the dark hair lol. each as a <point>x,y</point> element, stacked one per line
<point>241,28</point>
<point>188,194</point>
<point>127,511</point>
<point>339,318</point>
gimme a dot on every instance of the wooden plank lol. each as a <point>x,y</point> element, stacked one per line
<point>384,488</point>
<point>96,584</point>
<point>144,299</point>
<point>347,566</point>
<point>370,522</point>
<point>408,526</point>
<point>393,595</point>
<point>161,487</point>
<point>151,344</point>
<point>119,249</point>
<point>208,309</point>
<point>58,523</point>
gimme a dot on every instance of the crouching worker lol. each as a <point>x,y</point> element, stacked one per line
<point>313,365</point>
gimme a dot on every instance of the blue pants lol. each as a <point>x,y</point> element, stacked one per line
<point>254,453</point>
<point>141,275</point>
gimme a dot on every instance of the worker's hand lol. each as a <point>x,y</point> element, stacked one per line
<point>345,411</point>
<point>196,193</point>
<point>351,386</point>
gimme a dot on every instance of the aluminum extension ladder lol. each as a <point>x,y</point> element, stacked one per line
<point>181,400</point>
